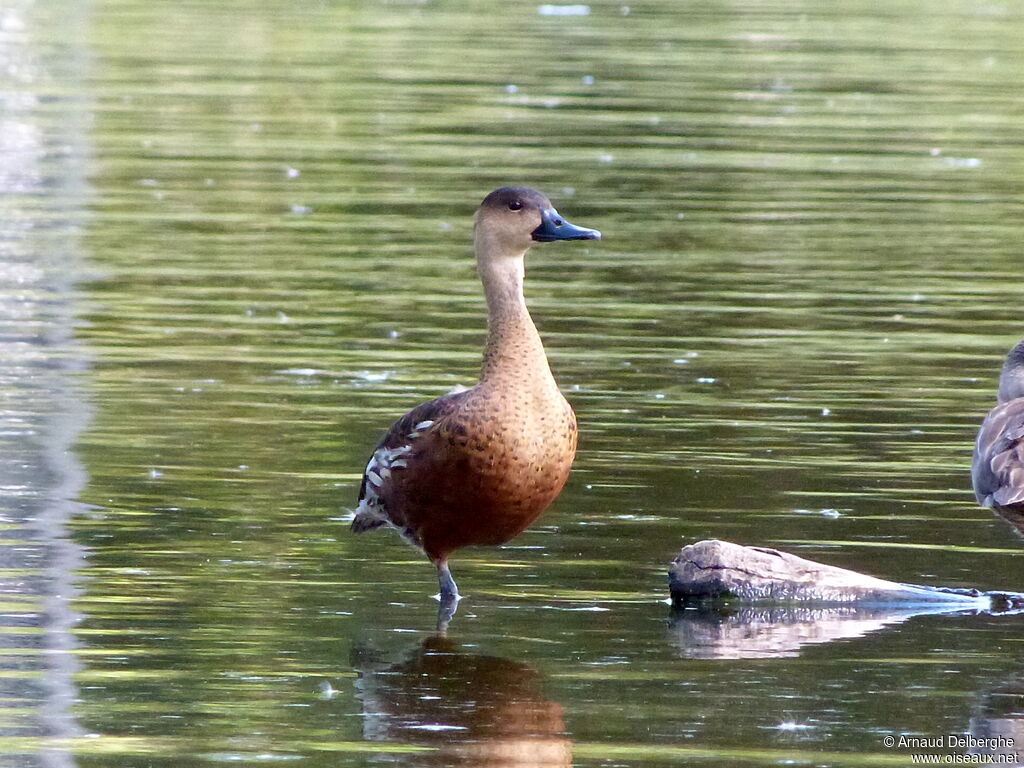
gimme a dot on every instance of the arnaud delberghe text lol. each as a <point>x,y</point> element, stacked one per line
<point>955,741</point>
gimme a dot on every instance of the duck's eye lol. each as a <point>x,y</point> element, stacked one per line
<point>515,205</point>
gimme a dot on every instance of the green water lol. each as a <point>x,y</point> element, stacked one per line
<point>234,242</point>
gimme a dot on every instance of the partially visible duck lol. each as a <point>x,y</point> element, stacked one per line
<point>477,467</point>
<point>998,467</point>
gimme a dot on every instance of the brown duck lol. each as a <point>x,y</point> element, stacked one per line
<point>998,468</point>
<point>477,467</point>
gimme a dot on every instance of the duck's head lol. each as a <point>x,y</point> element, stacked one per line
<point>511,219</point>
<point>1011,380</point>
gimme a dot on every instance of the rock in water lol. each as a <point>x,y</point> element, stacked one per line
<point>715,569</point>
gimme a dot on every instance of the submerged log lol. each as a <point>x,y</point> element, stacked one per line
<point>717,569</point>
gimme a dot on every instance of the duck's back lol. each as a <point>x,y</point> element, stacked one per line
<point>997,471</point>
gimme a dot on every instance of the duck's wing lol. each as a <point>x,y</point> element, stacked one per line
<point>997,471</point>
<point>393,453</point>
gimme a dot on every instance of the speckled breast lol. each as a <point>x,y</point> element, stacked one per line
<point>489,474</point>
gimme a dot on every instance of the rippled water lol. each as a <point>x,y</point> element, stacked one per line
<point>235,246</point>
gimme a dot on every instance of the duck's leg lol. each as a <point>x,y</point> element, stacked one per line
<point>449,596</point>
<point>445,581</point>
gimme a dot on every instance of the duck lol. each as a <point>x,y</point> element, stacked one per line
<point>997,469</point>
<point>477,467</point>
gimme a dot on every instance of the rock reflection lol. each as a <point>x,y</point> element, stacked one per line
<point>476,710</point>
<point>776,631</point>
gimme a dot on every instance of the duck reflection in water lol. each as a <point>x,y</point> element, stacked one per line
<point>474,710</point>
<point>997,471</point>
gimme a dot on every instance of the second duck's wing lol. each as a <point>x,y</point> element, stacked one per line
<point>998,468</point>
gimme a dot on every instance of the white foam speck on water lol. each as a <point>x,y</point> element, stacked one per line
<point>828,512</point>
<point>962,162</point>
<point>792,725</point>
<point>306,373</point>
<point>584,609</point>
<point>563,10</point>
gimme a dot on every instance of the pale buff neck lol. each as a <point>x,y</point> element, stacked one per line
<point>513,347</point>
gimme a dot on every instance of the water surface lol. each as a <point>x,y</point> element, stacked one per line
<point>809,276</point>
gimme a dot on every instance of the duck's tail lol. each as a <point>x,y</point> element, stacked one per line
<point>366,519</point>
